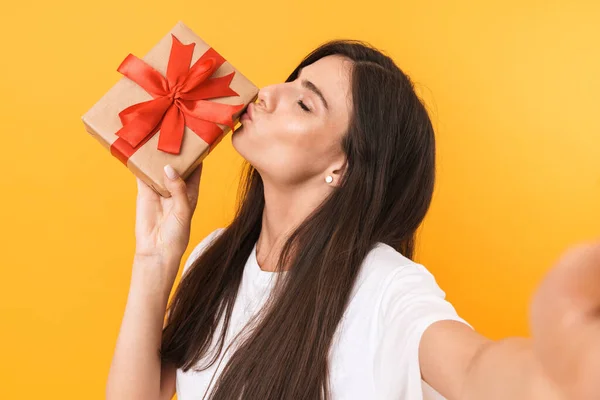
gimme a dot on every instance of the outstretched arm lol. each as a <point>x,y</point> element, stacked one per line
<point>561,361</point>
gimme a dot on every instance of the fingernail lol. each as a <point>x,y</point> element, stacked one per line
<point>171,173</point>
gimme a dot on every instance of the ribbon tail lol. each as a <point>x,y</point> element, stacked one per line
<point>207,131</point>
<point>211,111</point>
<point>179,61</point>
<point>211,88</point>
<point>123,150</point>
<point>171,132</point>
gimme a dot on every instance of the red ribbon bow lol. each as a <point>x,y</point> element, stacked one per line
<point>179,100</point>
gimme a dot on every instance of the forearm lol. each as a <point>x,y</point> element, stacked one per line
<point>507,369</point>
<point>136,368</point>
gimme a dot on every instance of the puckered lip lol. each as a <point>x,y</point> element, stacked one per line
<point>249,113</point>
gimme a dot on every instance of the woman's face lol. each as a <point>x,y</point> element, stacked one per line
<point>294,135</point>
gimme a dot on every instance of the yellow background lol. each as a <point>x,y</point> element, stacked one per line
<point>513,91</point>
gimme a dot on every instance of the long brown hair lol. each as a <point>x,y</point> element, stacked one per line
<point>383,197</point>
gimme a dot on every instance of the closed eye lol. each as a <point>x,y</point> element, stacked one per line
<point>304,107</point>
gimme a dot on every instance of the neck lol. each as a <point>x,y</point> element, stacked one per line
<point>285,209</point>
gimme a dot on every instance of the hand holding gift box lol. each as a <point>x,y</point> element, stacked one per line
<point>171,107</point>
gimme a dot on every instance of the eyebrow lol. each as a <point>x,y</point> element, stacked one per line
<point>311,86</point>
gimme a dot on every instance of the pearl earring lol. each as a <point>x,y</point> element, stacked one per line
<point>329,179</point>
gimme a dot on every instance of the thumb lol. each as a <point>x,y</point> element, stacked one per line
<point>177,187</point>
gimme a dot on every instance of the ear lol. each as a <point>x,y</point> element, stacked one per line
<point>337,171</point>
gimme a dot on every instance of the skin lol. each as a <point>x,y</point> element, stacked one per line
<point>294,150</point>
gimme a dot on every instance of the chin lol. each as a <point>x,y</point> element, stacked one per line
<point>239,143</point>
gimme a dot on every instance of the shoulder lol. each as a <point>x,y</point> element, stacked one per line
<point>384,274</point>
<point>405,290</point>
<point>200,247</point>
<point>409,301</point>
<point>384,268</point>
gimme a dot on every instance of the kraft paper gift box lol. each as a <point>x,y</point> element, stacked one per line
<point>173,106</point>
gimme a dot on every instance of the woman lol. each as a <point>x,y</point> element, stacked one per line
<point>311,292</point>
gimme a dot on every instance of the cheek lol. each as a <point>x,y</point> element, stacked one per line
<point>274,141</point>
<point>301,145</point>
<point>286,134</point>
<point>287,149</point>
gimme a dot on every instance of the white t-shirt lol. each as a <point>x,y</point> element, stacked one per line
<point>374,353</point>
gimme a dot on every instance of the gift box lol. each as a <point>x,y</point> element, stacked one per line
<point>173,106</point>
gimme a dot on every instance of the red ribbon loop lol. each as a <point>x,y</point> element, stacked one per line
<point>179,100</point>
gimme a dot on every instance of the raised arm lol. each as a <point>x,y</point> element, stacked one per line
<point>136,371</point>
<point>162,234</point>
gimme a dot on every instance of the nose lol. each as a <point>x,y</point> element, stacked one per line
<point>272,97</point>
<point>265,97</point>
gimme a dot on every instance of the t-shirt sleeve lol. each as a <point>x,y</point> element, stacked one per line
<point>411,301</point>
<point>200,247</point>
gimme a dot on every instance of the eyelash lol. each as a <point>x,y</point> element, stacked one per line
<point>304,107</point>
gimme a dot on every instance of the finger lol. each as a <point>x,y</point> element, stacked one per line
<point>578,272</point>
<point>565,322</point>
<point>178,189</point>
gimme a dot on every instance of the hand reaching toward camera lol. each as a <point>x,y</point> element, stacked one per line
<point>565,322</point>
